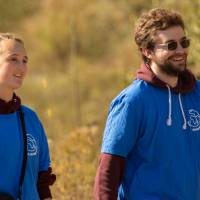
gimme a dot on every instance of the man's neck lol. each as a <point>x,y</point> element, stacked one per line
<point>170,80</point>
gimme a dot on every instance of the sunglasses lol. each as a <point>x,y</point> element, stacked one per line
<point>172,45</point>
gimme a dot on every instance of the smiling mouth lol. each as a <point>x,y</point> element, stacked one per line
<point>18,76</point>
<point>179,60</point>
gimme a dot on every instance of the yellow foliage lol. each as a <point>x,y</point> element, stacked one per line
<point>74,162</point>
<point>81,55</point>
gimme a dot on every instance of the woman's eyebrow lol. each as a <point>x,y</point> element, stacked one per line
<point>15,54</point>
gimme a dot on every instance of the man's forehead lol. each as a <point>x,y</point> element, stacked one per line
<point>173,33</point>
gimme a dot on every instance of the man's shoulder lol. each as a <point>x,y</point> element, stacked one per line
<point>197,86</point>
<point>137,88</point>
<point>198,83</point>
<point>134,92</point>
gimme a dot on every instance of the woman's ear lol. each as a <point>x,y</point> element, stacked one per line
<point>147,53</point>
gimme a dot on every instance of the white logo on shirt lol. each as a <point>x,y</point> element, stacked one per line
<point>194,121</point>
<point>32,148</point>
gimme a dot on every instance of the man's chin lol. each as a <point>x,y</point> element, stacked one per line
<point>181,68</point>
<point>178,67</point>
<point>171,69</point>
<point>174,72</point>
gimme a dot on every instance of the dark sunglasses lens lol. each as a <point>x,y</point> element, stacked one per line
<point>185,43</point>
<point>172,45</point>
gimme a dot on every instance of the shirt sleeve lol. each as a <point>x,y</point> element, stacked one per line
<point>44,157</point>
<point>108,178</point>
<point>122,126</point>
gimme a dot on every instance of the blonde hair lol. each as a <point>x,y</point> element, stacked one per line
<point>10,36</point>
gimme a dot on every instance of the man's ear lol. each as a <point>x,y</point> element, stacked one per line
<point>147,53</point>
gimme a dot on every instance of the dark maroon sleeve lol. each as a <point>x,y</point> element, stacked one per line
<point>108,178</point>
<point>45,179</point>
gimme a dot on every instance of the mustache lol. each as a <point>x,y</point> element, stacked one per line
<point>178,55</point>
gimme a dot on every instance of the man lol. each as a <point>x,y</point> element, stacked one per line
<point>151,144</point>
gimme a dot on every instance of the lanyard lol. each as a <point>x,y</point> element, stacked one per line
<point>23,170</point>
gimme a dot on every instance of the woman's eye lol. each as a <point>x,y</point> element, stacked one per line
<point>13,59</point>
<point>25,61</point>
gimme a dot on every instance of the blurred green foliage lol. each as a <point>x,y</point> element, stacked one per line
<point>15,11</point>
<point>81,54</point>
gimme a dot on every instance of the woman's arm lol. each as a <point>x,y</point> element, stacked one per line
<point>45,179</point>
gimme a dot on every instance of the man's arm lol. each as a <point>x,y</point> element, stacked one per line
<point>109,176</point>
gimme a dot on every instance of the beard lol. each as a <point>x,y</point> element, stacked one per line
<point>172,69</point>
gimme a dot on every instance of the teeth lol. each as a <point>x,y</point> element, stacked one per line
<point>178,59</point>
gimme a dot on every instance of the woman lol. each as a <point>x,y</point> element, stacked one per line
<point>25,171</point>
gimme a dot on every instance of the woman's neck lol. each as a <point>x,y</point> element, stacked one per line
<point>6,95</point>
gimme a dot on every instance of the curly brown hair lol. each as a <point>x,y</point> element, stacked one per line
<point>150,22</point>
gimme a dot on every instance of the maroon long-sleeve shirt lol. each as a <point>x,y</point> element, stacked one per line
<point>109,176</point>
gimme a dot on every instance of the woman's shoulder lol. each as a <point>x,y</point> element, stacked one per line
<point>29,113</point>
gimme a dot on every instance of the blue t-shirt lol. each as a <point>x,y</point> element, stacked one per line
<point>162,161</point>
<point>11,153</point>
